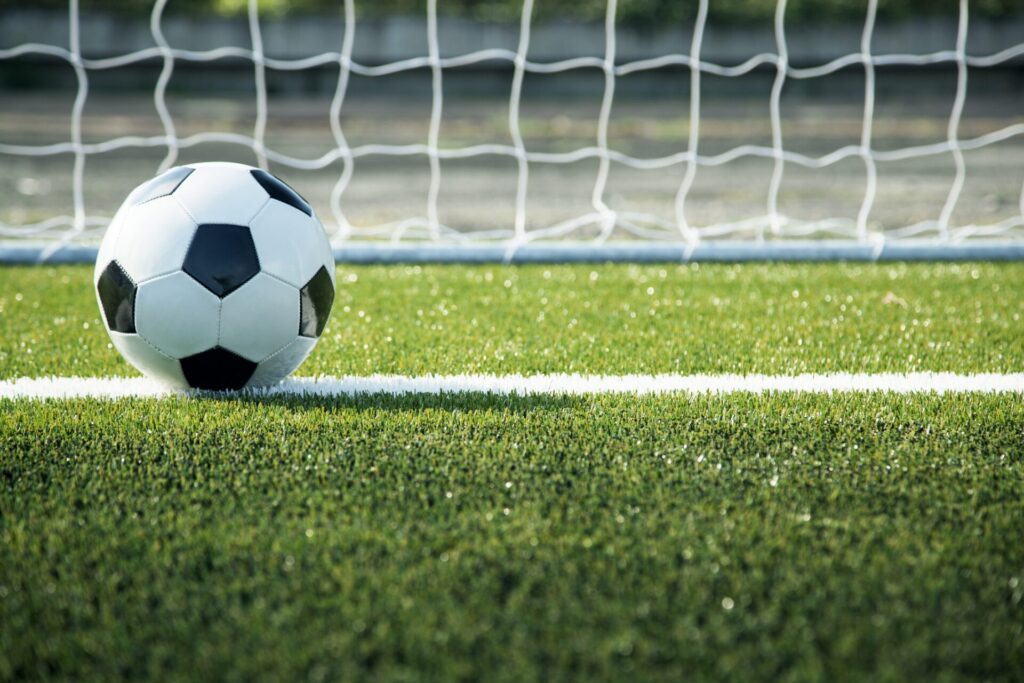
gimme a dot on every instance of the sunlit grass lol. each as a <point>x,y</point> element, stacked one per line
<point>781,319</point>
<point>474,537</point>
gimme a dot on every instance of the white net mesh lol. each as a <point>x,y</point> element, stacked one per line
<point>602,221</point>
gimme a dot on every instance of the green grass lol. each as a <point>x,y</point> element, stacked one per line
<point>689,319</point>
<point>792,537</point>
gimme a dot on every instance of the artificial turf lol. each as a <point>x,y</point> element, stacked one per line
<point>472,537</point>
<point>776,319</point>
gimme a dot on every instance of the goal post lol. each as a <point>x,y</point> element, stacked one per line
<point>603,230</point>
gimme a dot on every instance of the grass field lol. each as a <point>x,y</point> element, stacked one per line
<point>743,537</point>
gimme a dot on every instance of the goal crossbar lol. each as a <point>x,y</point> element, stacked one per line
<point>367,253</point>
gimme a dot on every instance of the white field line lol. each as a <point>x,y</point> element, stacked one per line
<point>560,384</point>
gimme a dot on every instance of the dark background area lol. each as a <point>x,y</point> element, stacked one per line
<point>629,11</point>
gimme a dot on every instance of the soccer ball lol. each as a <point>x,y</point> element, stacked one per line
<point>215,276</point>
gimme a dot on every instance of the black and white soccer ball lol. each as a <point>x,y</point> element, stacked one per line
<point>215,276</point>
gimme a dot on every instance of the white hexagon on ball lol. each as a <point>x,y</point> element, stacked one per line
<point>215,276</point>
<point>257,338</point>
<point>177,315</point>
<point>218,192</point>
<point>291,245</point>
<point>282,363</point>
<point>108,247</point>
<point>154,238</point>
<point>146,358</point>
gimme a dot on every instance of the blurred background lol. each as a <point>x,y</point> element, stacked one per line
<point>559,112</point>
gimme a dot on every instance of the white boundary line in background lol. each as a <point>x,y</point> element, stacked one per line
<point>556,384</point>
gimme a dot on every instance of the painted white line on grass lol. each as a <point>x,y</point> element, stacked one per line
<point>918,382</point>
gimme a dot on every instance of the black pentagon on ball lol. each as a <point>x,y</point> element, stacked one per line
<point>117,298</point>
<point>217,369</point>
<point>163,185</point>
<point>315,301</point>
<point>222,258</point>
<point>279,190</point>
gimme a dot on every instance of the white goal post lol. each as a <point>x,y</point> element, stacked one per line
<point>611,234</point>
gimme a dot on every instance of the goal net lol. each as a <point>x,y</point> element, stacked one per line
<point>677,219</point>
